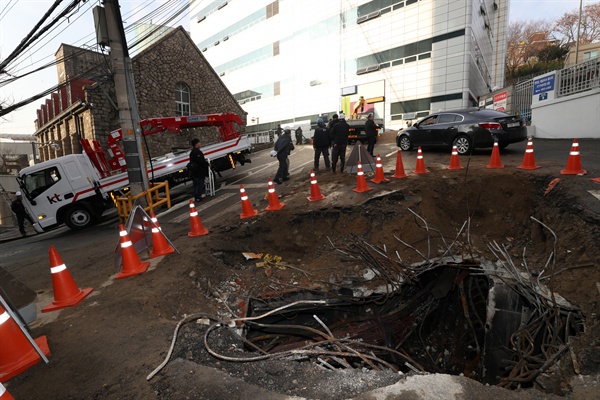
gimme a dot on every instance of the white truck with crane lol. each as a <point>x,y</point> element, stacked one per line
<point>76,189</point>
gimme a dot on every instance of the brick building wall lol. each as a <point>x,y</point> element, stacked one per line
<point>157,70</point>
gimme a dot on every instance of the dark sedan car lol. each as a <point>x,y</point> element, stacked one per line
<point>465,129</point>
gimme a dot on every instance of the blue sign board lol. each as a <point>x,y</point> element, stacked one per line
<point>543,85</point>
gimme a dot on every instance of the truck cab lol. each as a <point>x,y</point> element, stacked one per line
<point>61,190</point>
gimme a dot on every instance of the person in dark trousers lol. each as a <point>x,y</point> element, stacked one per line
<point>371,133</point>
<point>283,147</point>
<point>278,131</point>
<point>19,209</point>
<point>339,140</point>
<point>199,168</point>
<point>298,136</point>
<point>321,144</point>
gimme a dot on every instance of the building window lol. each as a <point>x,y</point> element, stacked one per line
<point>588,55</point>
<point>182,99</point>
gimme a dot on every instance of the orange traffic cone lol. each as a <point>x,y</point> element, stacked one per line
<point>247,210</point>
<point>160,246</point>
<point>66,292</point>
<point>274,203</point>
<point>197,229</point>
<point>420,167</point>
<point>361,181</point>
<point>495,159</point>
<point>16,353</point>
<point>574,162</point>
<point>315,192</point>
<point>379,175</point>
<point>596,180</point>
<point>528,158</point>
<point>454,161</point>
<point>131,263</point>
<point>4,395</point>
<point>399,167</point>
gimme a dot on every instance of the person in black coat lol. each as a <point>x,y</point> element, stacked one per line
<point>299,138</point>
<point>371,133</point>
<point>321,144</point>
<point>19,209</point>
<point>339,138</point>
<point>199,168</point>
<point>283,147</point>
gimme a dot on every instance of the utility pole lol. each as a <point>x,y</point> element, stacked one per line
<point>126,99</point>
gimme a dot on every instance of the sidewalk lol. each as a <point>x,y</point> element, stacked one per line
<point>10,233</point>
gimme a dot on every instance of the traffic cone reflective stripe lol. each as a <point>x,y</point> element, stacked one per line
<point>495,159</point>
<point>400,173</point>
<point>315,192</point>
<point>420,167</point>
<point>454,160</point>
<point>247,210</point>
<point>361,181</point>
<point>574,162</point>
<point>66,292</point>
<point>4,395</point>
<point>197,229</point>
<point>131,263</point>
<point>160,246</point>
<point>379,175</point>
<point>528,158</point>
<point>16,352</point>
<point>274,203</point>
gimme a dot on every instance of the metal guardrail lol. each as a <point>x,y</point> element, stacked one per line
<point>578,78</point>
<point>261,137</point>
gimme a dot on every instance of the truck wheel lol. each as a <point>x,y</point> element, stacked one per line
<point>78,218</point>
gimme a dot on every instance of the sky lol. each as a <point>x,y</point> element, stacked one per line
<point>18,17</point>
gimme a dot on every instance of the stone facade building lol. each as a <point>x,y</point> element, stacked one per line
<point>171,77</point>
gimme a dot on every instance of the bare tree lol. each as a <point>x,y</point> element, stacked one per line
<point>589,31</point>
<point>525,40</point>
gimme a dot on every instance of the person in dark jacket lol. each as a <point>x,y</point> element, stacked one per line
<point>334,120</point>
<point>339,139</point>
<point>371,133</point>
<point>283,147</point>
<point>19,209</point>
<point>321,144</point>
<point>199,168</point>
<point>299,137</point>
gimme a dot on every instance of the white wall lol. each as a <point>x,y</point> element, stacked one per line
<point>576,116</point>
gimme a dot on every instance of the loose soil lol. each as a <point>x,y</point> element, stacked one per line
<point>105,347</point>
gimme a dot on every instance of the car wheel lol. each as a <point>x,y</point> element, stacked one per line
<point>463,144</point>
<point>78,217</point>
<point>404,143</point>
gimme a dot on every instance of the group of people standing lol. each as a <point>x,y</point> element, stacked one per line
<point>332,136</point>
<point>335,136</point>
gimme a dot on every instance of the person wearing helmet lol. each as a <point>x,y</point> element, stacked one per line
<point>19,209</point>
<point>321,144</point>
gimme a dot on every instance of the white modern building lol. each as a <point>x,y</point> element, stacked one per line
<point>288,61</point>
